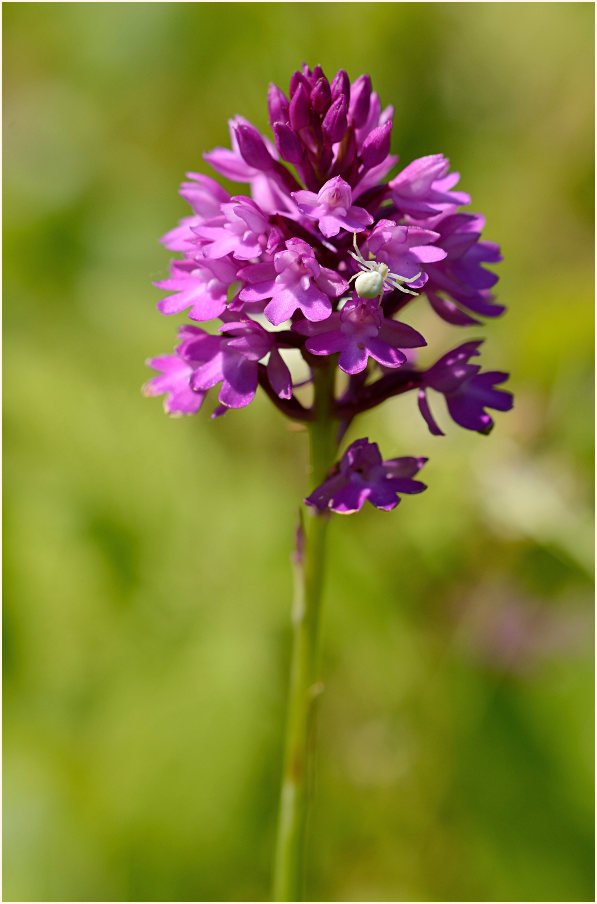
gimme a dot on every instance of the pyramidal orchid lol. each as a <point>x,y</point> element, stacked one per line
<point>320,255</point>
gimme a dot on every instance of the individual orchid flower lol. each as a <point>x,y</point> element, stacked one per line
<point>468,390</point>
<point>293,281</point>
<point>358,332</point>
<point>201,285</point>
<point>423,188</point>
<point>333,209</point>
<point>362,476</point>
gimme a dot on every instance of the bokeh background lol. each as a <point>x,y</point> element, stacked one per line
<point>147,577</point>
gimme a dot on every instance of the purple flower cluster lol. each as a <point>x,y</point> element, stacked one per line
<point>320,259</point>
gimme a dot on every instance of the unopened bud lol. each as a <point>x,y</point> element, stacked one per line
<point>288,143</point>
<point>340,85</point>
<point>300,109</point>
<point>277,104</point>
<point>299,79</point>
<point>252,147</point>
<point>334,124</point>
<point>321,96</point>
<point>360,97</point>
<point>376,146</point>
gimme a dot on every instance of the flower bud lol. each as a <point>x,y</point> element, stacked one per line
<point>376,146</point>
<point>299,79</point>
<point>252,147</point>
<point>300,109</point>
<point>321,96</point>
<point>317,74</point>
<point>340,85</point>
<point>288,144</point>
<point>277,104</point>
<point>334,124</point>
<point>360,96</point>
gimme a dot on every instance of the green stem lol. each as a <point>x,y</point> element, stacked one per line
<point>305,686</point>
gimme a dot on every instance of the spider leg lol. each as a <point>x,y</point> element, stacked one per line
<point>410,278</point>
<point>363,264</point>
<point>358,258</point>
<point>402,289</point>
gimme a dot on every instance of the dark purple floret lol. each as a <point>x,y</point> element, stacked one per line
<point>361,474</point>
<point>461,274</point>
<point>358,332</point>
<point>468,392</point>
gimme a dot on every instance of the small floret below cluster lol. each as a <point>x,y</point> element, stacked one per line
<point>322,258</point>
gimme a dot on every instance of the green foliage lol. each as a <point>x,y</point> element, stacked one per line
<point>147,579</point>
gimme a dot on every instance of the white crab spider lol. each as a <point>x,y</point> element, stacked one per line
<point>374,276</point>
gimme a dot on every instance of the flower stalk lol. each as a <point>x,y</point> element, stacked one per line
<point>305,686</point>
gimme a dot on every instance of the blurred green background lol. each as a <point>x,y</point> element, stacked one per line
<point>147,578</point>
